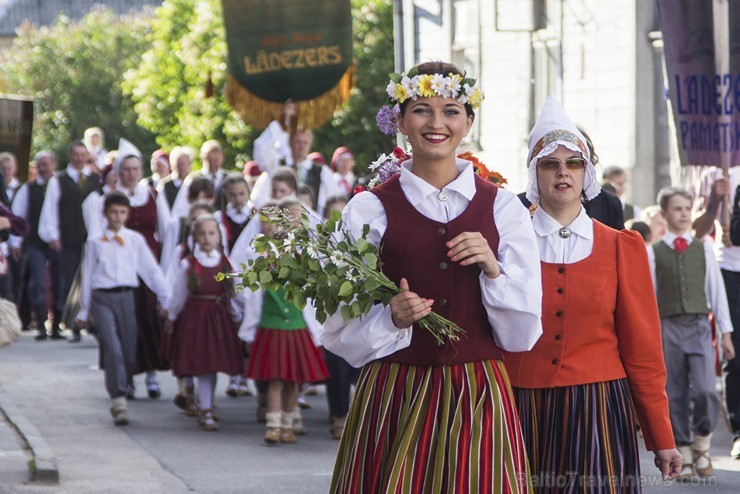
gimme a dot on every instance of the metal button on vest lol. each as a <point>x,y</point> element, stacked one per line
<point>561,270</point>
<point>442,196</point>
<point>557,337</point>
<point>559,313</point>
<point>441,231</point>
<point>560,290</point>
<point>554,361</point>
<point>442,302</point>
<point>442,265</point>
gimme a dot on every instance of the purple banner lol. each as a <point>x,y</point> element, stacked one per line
<point>705,96</point>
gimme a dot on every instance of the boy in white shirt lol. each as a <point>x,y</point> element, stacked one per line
<point>113,261</point>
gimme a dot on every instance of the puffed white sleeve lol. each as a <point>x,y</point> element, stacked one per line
<point>19,207</point>
<point>89,257</point>
<point>270,147</point>
<point>179,293</point>
<point>373,336</point>
<point>513,300</point>
<point>148,270</point>
<point>92,213</point>
<point>169,243</point>
<point>252,315</point>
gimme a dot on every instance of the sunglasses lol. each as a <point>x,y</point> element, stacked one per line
<point>552,164</point>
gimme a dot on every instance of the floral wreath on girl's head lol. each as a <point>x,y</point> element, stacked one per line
<point>412,86</point>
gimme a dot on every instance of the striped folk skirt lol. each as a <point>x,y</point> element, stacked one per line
<point>581,438</point>
<point>432,430</point>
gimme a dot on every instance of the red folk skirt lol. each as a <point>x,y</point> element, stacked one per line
<point>286,355</point>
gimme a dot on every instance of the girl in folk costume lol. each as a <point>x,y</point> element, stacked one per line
<point>185,397</point>
<point>342,163</point>
<point>600,353</point>
<point>282,350</point>
<point>178,229</point>
<point>429,417</point>
<point>148,215</point>
<point>233,218</point>
<point>204,337</point>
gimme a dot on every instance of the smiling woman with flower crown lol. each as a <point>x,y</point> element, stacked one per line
<point>430,417</point>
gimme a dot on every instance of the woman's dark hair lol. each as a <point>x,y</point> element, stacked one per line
<point>438,67</point>
<point>286,175</point>
<point>590,145</point>
<point>198,185</point>
<point>306,190</point>
<point>642,228</point>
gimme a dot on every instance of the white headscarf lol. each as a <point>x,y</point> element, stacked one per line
<point>553,129</point>
<point>125,150</point>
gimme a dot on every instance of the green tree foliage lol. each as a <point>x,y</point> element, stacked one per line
<point>73,71</point>
<point>188,44</point>
<point>186,54</point>
<point>354,124</point>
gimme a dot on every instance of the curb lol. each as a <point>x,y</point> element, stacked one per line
<point>43,467</point>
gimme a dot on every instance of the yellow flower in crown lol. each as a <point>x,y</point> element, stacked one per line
<point>397,91</point>
<point>425,89</point>
<point>475,98</point>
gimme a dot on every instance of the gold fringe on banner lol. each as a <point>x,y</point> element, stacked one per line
<point>312,113</point>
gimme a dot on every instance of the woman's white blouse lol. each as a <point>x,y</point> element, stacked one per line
<point>513,300</point>
<point>557,250</point>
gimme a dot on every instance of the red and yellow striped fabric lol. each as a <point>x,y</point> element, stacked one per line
<point>420,430</point>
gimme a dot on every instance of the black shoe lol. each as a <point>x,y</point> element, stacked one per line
<point>41,337</point>
<point>56,335</point>
<point>153,392</point>
<point>75,338</point>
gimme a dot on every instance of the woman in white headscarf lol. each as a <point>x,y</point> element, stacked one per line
<point>600,353</point>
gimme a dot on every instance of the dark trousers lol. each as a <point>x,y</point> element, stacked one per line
<point>39,262</point>
<point>341,377</point>
<point>69,261</point>
<point>732,380</point>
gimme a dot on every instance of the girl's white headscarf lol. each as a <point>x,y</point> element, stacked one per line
<point>125,150</point>
<point>553,129</point>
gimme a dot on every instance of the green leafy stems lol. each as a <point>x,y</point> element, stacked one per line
<point>322,262</point>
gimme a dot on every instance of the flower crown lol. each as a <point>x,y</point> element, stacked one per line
<point>414,85</point>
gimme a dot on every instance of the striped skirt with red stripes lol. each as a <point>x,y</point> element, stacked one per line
<point>432,429</point>
<point>581,438</point>
<point>286,355</point>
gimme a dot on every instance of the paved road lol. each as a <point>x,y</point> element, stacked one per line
<point>55,386</point>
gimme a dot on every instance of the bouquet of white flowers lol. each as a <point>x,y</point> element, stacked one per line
<point>324,263</point>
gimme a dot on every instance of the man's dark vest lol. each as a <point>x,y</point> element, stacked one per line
<point>36,195</point>
<point>170,192</point>
<point>413,247</point>
<point>71,224</point>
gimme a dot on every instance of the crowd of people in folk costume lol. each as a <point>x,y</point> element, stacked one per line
<point>566,357</point>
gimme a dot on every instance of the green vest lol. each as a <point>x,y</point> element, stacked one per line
<point>279,314</point>
<point>680,279</point>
